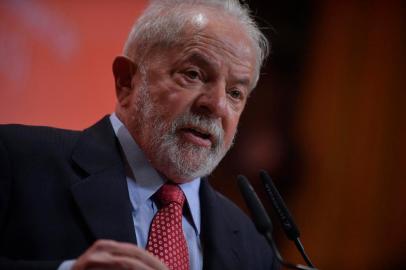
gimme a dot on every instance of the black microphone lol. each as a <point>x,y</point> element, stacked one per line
<point>285,217</point>
<point>257,210</point>
<point>288,224</point>
<point>262,221</point>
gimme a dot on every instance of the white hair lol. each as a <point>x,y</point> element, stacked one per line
<point>163,22</point>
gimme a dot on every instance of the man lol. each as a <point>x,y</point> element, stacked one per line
<point>87,200</point>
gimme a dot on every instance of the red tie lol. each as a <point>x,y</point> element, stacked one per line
<point>166,239</point>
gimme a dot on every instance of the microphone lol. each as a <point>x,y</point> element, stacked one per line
<point>257,210</point>
<point>262,221</point>
<point>288,224</point>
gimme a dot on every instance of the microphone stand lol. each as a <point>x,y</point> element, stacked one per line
<point>285,217</point>
<point>275,249</point>
<point>263,222</point>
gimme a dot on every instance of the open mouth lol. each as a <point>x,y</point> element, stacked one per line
<point>199,133</point>
<point>197,136</point>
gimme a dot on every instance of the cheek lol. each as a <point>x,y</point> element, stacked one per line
<point>230,129</point>
<point>172,101</point>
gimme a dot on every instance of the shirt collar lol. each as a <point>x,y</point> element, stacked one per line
<point>148,180</point>
<point>191,191</point>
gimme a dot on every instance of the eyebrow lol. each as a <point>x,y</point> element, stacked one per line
<point>244,81</point>
<point>205,61</point>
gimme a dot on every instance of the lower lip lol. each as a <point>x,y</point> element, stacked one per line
<point>195,139</point>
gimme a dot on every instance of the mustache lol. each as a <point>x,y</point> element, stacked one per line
<point>209,125</point>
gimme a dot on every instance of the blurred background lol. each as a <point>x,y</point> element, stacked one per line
<point>327,119</point>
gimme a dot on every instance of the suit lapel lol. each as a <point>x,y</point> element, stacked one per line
<point>101,193</point>
<point>219,236</point>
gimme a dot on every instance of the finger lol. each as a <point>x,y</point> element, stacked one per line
<point>129,250</point>
<point>113,262</point>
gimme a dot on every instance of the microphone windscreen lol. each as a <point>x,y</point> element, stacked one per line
<point>257,210</point>
<point>286,219</point>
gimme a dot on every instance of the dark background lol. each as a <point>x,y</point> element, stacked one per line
<point>327,122</point>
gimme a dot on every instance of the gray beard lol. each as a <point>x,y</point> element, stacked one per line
<point>176,158</point>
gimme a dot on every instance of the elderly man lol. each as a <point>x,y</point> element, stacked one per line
<point>130,192</point>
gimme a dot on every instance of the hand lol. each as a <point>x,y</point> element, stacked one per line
<point>109,254</point>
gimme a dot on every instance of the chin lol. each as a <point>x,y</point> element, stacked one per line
<point>181,173</point>
<point>182,162</point>
<point>181,177</point>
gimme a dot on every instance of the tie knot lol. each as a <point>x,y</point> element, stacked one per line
<point>170,193</point>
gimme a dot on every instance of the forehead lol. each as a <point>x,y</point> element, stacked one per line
<point>222,32</point>
<point>216,40</point>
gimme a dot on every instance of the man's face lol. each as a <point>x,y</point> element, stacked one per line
<point>187,100</point>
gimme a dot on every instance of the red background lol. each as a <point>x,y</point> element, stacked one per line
<point>53,52</point>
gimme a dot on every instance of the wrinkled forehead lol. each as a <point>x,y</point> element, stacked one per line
<point>224,30</point>
<point>220,24</point>
<point>200,22</point>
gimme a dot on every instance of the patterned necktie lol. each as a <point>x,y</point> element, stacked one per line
<point>166,239</point>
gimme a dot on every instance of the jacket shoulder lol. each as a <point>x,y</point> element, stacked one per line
<point>236,215</point>
<point>251,247</point>
<point>24,139</point>
<point>20,128</point>
<point>225,207</point>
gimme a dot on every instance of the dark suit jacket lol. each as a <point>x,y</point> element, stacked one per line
<point>61,190</point>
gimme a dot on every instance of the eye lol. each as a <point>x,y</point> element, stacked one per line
<point>192,74</point>
<point>235,93</point>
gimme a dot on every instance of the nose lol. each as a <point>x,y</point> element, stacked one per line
<point>212,102</point>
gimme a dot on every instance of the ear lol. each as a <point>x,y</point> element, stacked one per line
<point>124,70</point>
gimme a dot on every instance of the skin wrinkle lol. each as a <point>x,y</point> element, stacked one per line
<point>237,76</point>
<point>193,56</point>
<point>221,43</point>
<point>203,42</point>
